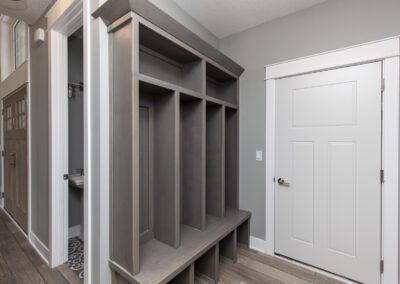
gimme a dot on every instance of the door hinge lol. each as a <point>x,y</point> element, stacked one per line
<point>274,180</point>
<point>382,176</point>
<point>2,195</point>
<point>66,177</point>
<point>3,153</point>
<point>381,266</point>
<point>383,86</point>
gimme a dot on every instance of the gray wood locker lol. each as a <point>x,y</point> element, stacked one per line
<point>174,149</point>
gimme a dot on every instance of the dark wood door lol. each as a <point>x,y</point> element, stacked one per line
<point>15,157</point>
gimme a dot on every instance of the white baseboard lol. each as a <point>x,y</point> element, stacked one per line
<point>74,231</point>
<point>258,244</point>
<point>40,248</point>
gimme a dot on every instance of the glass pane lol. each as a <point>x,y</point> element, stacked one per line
<point>20,43</point>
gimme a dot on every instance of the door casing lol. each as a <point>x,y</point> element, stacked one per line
<point>63,20</point>
<point>387,51</point>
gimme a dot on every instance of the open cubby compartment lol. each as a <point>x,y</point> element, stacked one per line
<point>215,159</point>
<point>228,247</point>
<point>192,153</point>
<point>158,165</point>
<point>185,277</point>
<point>160,263</point>
<point>243,234</point>
<point>231,158</point>
<point>166,60</point>
<point>221,85</point>
<point>207,266</point>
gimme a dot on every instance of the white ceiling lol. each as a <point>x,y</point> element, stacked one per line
<point>26,10</point>
<point>226,17</point>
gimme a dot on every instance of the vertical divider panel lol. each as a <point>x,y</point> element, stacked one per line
<point>124,217</point>
<point>215,151</point>
<point>243,233</point>
<point>203,77</point>
<point>207,266</point>
<point>166,169</point>
<point>193,159</point>
<point>136,149</point>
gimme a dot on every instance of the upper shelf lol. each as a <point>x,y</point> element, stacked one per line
<point>112,10</point>
<point>220,85</point>
<point>165,60</point>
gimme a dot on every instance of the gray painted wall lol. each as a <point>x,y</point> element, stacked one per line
<point>172,9</point>
<point>327,26</point>
<point>75,128</point>
<point>40,137</point>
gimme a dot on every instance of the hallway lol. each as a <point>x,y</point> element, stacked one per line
<point>19,262</point>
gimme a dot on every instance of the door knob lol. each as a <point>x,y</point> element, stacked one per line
<point>282,182</point>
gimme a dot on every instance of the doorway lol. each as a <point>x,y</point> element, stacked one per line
<point>76,171</point>
<point>328,159</point>
<point>386,85</point>
<point>16,157</point>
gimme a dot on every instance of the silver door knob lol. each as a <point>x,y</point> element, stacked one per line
<point>282,182</point>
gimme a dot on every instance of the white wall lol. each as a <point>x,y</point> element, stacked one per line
<point>327,26</point>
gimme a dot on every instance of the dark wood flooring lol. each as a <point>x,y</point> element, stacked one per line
<point>19,262</point>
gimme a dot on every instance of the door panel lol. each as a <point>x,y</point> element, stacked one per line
<point>328,152</point>
<point>15,157</point>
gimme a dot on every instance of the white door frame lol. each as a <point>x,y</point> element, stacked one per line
<point>63,19</point>
<point>387,51</point>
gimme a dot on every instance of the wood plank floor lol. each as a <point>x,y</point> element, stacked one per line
<point>255,268</point>
<point>19,262</point>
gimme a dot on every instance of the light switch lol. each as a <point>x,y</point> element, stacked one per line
<point>259,155</point>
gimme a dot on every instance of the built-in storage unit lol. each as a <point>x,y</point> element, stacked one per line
<point>174,150</point>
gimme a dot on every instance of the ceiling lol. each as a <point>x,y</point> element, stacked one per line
<point>226,17</point>
<point>26,10</point>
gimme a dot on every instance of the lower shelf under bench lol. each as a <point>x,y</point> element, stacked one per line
<point>198,253</point>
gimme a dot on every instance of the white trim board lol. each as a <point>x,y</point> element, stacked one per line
<point>373,51</point>
<point>387,51</point>
<point>64,18</point>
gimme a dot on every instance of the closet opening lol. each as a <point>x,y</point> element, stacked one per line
<point>76,171</point>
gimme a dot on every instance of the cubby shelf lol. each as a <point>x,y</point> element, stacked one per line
<point>166,60</point>
<point>174,158</point>
<point>221,85</point>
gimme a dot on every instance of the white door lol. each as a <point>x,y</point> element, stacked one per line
<point>328,157</point>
